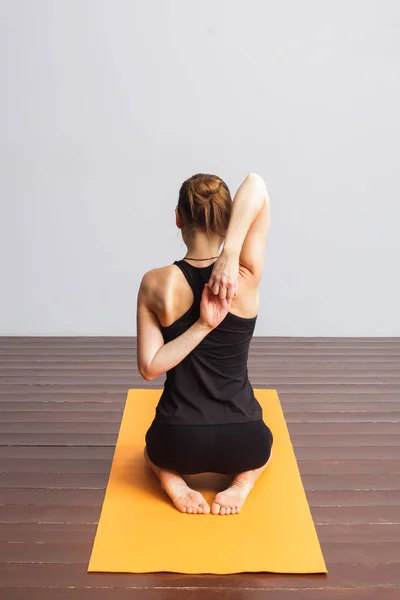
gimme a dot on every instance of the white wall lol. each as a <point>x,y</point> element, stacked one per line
<point>107,106</point>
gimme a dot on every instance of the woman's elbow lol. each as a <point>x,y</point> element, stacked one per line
<point>258,183</point>
<point>147,374</point>
<point>255,178</point>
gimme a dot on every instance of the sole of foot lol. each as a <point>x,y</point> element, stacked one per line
<point>184,498</point>
<point>231,500</point>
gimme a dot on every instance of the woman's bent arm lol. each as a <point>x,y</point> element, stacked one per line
<point>153,356</point>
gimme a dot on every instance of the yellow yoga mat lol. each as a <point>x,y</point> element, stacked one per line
<point>141,531</point>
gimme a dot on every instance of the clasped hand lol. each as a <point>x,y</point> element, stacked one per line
<point>220,290</point>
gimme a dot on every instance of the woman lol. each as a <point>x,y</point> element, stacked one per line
<point>195,321</point>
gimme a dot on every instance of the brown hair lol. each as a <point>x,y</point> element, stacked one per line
<point>205,203</point>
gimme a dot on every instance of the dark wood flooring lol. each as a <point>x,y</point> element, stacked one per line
<point>61,401</point>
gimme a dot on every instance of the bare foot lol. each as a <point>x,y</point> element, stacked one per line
<point>231,500</point>
<point>184,498</point>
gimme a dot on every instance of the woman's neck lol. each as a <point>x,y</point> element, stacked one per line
<point>203,246</point>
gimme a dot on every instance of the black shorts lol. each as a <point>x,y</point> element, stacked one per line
<point>228,449</point>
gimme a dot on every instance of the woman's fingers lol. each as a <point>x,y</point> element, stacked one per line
<point>223,288</point>
<point>215,287</point>
<point>220,286</point>
<point>226,304</point>
<point>230,291</point>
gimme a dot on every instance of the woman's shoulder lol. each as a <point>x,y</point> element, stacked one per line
<point>161,287</point>
<point>158,276</point>
<point>160,281</point>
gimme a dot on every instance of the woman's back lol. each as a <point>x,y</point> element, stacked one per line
<point>210,385</point>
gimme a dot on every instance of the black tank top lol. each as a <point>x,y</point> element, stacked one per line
<point>211,385</point>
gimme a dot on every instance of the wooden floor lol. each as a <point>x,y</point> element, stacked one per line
<point>61,401</point>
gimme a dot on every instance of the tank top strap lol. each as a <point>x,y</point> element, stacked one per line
<point>196,278</point>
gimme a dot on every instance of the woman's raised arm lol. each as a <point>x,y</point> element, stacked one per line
<point>245,238</point>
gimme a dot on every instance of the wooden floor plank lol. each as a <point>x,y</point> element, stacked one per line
<point>312,372</point>
<point>50,464</point>
<point>77,481</point>
<point>94,497</point>
<point>72,412</point>
<point>372,499</point>
<point>200,593</point>
<point>302,453</point>
<point>84,532</point>
<point>361,515</point>
<point>131,340</point>
<point>337,353</point>
<point>57,452</point>
<point>335,387</point>
<point>90,480</point>
<point>258,358</point>
<point>89,400</point>
<point>15,366</point>
<point>367,553</point>
<point>61,575</point>
<point>349,466</point>
<point>71,465</point>
<point>299,427</point>
<point>116,342</point>
<point>315,440</point>
<point>323,515</point>
<point>125,380</point>
<point>348,453</point>
<point>54,514</point>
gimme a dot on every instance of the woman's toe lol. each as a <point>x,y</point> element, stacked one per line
<point>205,509</point>
<point>215,508</point>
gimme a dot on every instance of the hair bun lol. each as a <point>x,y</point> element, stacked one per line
<point>203,190</point>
